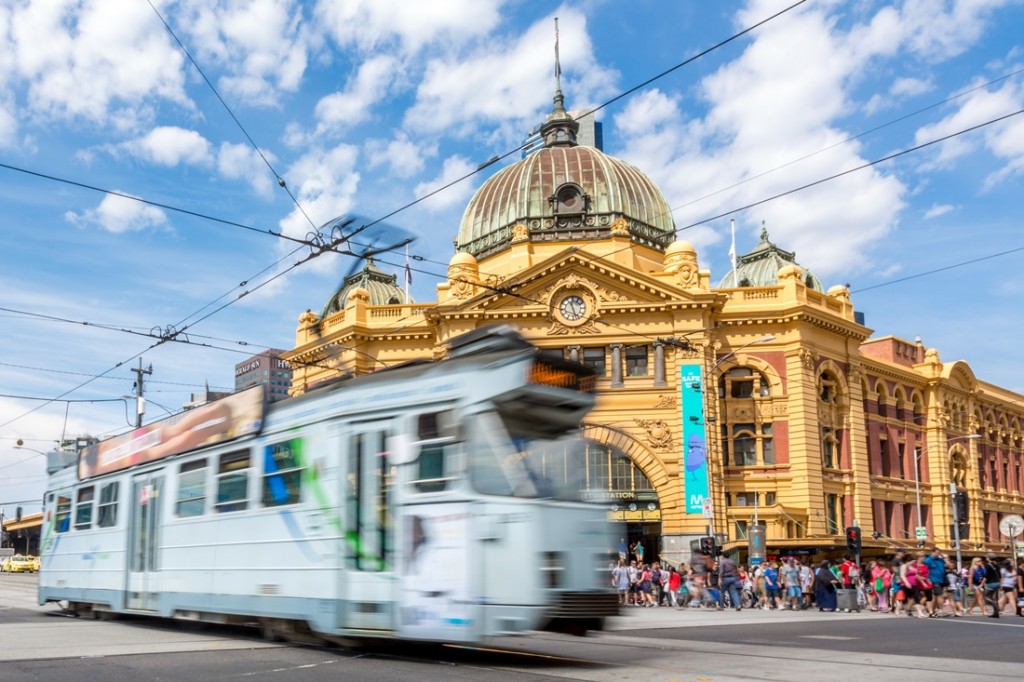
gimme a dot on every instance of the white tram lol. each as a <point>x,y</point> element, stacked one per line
<point>435,500</point>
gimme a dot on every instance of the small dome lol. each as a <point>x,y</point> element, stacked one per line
<point>764,266</point>
<point>462,258</point>
<point>680,246</point>
<point>380,287</point>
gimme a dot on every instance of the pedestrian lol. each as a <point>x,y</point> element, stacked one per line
<point>675,581</point>
<point>881,584</point>
<point>993,581</point>
<point>1020,587</point>
<point>620,581</point>
<point>634,581</point>
<point>936,563</point>
<point>791,583</point>
<point>1007,586</point>
<point>771,583</point>
<point>729,582</point>
<point>807,583</point>
<point>976,586</point>
<point>825,587</point>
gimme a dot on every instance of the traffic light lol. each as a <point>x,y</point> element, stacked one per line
<point>963,507</point>
<point>708,546</point>
<point>853,539</point>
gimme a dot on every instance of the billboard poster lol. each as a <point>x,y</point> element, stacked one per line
<point>236,415</point>
<point>695,451</point>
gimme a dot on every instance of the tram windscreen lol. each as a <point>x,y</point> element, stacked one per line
<point>516,462</point>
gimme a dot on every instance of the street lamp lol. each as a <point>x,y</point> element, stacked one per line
<point>952,488</point>
<point>710,377</point>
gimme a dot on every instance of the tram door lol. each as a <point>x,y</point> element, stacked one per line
<point>144,542</point>
<point>368,589</point>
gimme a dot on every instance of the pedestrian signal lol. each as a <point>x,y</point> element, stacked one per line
<point>853,539</point>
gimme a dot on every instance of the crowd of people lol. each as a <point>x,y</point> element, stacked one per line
<point>925,585</point>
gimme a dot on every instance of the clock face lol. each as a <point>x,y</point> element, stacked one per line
<point>573,308</point>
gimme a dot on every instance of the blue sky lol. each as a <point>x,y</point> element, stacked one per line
<point>364,106</point>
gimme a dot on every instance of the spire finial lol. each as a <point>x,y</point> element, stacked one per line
<point>560,128</point>
<point>764,232</point>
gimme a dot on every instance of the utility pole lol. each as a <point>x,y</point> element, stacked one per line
<point>140,401</point>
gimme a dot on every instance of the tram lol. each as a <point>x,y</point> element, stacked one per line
<point>433,501</point>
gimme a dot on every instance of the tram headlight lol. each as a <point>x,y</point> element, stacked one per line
<point>552,566</point>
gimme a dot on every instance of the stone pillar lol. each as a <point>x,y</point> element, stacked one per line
<point>659,364</point>
<point>616,365</point>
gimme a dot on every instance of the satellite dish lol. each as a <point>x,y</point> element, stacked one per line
<point>1011,525</point>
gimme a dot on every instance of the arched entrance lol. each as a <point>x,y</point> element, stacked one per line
<point>612,476</point>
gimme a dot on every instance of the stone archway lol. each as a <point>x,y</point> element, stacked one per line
<point>625,474</point>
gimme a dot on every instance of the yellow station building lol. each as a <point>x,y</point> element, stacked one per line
<point>811,424</point>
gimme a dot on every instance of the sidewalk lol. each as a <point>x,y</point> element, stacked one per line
<point>640,618</point>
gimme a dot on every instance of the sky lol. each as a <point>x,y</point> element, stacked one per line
<point>361,107</point>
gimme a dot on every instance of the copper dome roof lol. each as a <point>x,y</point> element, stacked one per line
<point>565,192</point>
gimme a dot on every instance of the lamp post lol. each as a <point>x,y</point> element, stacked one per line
<point>710,377</point>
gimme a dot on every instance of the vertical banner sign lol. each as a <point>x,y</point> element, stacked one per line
<point>695,451</point>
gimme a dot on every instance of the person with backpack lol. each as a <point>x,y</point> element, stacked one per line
<point>936,564</point>
<point>992,583</point>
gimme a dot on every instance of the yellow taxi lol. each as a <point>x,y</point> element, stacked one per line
<point>18,564</point>
<point>35,563</point>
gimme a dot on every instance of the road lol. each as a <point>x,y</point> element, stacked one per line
<point>39,644</point>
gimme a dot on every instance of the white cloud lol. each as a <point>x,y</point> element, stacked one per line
<point>262,45</point>
<point>910,87</point>
<point>1005,140</point>
<point>94,59</point>
<point>510,80</point>
<point>367,24</point>
<point>937,210</point>
<point>403,157</point>
<point>454,167</point>
<point>170,146</point>
<point>242,162</point>
<point>119,214</point>
<point>341,110</point>
<point>757,120</point>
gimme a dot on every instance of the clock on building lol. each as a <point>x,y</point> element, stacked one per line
<point>573,308</point>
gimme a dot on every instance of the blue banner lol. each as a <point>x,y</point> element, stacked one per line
<point>695,451</point>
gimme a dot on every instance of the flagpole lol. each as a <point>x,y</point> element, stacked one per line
<point>408,273</point>
<point>732,254</point>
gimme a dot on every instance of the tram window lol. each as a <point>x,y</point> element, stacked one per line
<point>83,508</point>
<point>233,482</point>
<point>431,476</point>
<point>192,489</point>
<point>63,516</point>
<point>106,514</point>
<point>282,473</point>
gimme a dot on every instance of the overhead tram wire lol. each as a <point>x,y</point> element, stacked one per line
<point>851,138</point>
<point>944,268</point>
<point>280,180</point>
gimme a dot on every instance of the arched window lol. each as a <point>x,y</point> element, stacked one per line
<point>611,470</point>
<point>743,382</point>
<point>748,443</point>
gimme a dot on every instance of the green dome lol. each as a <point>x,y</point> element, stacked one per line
<point>383,289</point>
<point>760,267</point>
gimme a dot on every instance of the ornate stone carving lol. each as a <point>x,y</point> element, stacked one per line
<point>620,228</point>
<point>958,470</point>
<point>808,359</point>
<point>461,281</point>
<point>520,233</point>
<point>667,402</point>
<point>559,329</point>
<point>688,275</point>
<point>656,432</point>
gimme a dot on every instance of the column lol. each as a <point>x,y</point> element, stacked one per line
<point>659,364</point>
<point>616,365</point>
